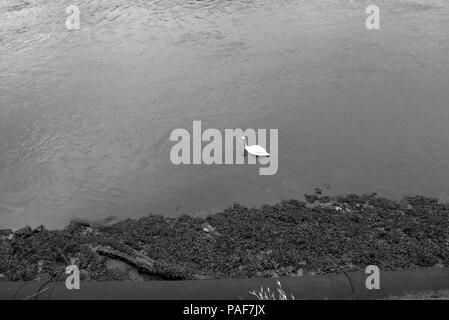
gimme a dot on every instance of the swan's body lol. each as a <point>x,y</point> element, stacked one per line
<point>256,150</point>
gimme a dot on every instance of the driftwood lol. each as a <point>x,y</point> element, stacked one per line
<point>144,264</point>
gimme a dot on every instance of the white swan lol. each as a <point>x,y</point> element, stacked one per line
<point>255,150</point>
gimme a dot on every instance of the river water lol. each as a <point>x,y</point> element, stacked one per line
<point>85,116</point>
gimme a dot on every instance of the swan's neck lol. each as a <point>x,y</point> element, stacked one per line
<point>245,142</point>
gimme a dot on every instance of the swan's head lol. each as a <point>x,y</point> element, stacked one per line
<point>243,137</point>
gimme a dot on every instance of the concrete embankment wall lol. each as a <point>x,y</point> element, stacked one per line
<point>344,286</point>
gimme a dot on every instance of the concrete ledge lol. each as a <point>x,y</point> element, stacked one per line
<point>346,286</point>
<point>397,283</point>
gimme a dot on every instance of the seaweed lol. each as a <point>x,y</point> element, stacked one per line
<point>321,235</point>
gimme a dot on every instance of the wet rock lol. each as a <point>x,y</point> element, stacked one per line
<point>6,234</point>
<point>88,230</point>
<point>209,229</point>
<point>366,205</point>
<point>311,198</point>
<point>39,229</point>
<point>78,225</point>
<point>24,232</point>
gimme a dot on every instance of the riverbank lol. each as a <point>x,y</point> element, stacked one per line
<point>320,235</point>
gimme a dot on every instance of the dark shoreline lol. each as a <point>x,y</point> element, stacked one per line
<point>324,234</point>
